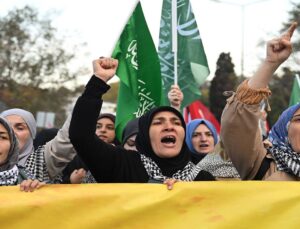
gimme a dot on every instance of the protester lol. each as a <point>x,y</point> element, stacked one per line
<point>240,130</point>
<point>46,162</point>
<point>162,152</point>
<point>10,173</point>
<point>105,128</point>
<point>77,172</point>
<point>24,126</point>
<point>130,131</point>
<point>201,138</point>
<point>207,151</point>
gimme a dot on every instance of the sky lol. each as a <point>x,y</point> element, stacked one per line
<point>98,23</point>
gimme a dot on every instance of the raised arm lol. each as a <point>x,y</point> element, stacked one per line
<point>60,151</point>
<point>175,97</point>
<point>98,156</point>
<point>240,131</point>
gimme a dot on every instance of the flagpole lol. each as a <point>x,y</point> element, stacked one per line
<point>174,38</point>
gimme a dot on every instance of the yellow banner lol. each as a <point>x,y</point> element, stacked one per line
<point>234,204</point>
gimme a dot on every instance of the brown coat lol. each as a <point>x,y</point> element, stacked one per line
<point>242,137</point>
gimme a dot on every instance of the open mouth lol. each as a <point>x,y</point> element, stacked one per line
<point>102,137</point>
<point>204,145</point>
<point>168,139</point>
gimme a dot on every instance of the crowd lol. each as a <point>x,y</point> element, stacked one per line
<point>158,147</point>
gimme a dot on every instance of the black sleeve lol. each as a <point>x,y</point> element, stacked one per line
<point>107,163</point>
<point>204,176</point>
<point>76,163</point>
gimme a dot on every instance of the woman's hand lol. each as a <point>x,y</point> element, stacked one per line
<point>105,68</point>
<point>170,183</point>
<point>77,176</point>
<point>175,97</point>
<point>278,50</point>
<point>31,185</point>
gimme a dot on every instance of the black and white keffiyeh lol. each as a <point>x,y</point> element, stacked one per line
<point>286,159</point>
<point>36,165</point>
<point>88,179</point>
<point>214,164</point>
<point>9,177</point>
<point>188,173</point>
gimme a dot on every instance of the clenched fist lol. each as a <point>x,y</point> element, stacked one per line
<point>105,68</point>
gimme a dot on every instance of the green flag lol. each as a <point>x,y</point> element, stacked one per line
<point>295,95</point>
<point>191,60</point>
<point>139,71</point>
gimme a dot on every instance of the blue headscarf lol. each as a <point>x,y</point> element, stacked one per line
<point>191,127</point>
<point>286,158</point>
<point>279,132</point>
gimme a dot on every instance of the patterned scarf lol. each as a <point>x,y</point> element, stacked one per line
<point>214,164</point>
<point>188,173</point>
<point>88,178</point>
<point>9,177</point>
<point>36,165</point>
<point>286,159</point>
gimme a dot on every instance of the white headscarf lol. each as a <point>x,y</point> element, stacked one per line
<point>31,123</point>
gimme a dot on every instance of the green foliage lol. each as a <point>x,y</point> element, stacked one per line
<point>31,57</point>
<point>36,99</point>
<point>281,86</point>
<point>224,80</point>
<point>30,52</point>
